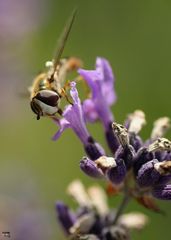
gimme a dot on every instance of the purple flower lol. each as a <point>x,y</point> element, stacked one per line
<point>147,175</point>
<point>162,192</point>
<point>63,124</point>
<point>90,168</point>
<point>101,83</point>
<point>65,217</point>
<point>105,167</point>
<point>147,153</point>
<point>113,169</point>
<point>96,220</point>
<point>155,175</point>
<point>142,157</point>
<point>135,141</point>
<point>73,118</point>
<point>117,174</point>
<point>90,113</point>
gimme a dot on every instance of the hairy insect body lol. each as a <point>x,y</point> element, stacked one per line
<point>48,87</point>
<point>44,97</point>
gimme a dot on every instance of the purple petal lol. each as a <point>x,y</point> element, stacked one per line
<point>91,77</point>
<point>135,141</point>
<point>74,93</point>
<point>74,115</point>
<point>104,68</point>
<point>65,217</point>
<point>117,174</point>
<point>147,175</point>
<point>164,179</point>
<point>89,111</point>
<point>90,168</point>
<point>127,154</point>
<point>99,100</point>
<point>162,192</point>
<point>93,149</point>
<point>73,118</point>
<point>111,139</point>
<point>142,157</point>
<point>101,82</point>
<point>160,155</point>
<point>63,124</point>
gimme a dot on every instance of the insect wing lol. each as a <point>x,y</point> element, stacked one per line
<point>63,38</point>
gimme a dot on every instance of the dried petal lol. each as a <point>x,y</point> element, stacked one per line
<point>149,203</point>
<point>134,220</point>
<point>161,126</point>
<point>83,224</point>
<point>136,121</point>
<point>77,191</point>
<point>99,199</point>
<point>105,163</point>
<point>161,144</point>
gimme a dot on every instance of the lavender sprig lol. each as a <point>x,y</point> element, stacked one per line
<point>137,169</point>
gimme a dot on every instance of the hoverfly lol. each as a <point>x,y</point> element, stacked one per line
<point>47,88</point>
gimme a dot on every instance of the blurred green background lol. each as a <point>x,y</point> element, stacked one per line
<point>135,36</point>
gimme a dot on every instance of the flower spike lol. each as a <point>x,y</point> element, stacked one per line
<point>101,83</point>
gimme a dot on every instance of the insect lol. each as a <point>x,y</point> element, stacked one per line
<point>47,88</point>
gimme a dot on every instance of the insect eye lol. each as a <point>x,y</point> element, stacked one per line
<point>36,108</point>
<point>48,97</point>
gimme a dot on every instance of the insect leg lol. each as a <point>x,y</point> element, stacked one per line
<point>63,94</point>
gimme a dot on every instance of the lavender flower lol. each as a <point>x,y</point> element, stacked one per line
<point>90,168</point>
<point>73,118</point>
<point>133,157</point>
<point>136,169</point>
<point>101,83</point>
<point>96,218</point>
<point>65,217</point>
<point>155,175</point>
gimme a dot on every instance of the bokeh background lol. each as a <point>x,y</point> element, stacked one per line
<point>34,171</point>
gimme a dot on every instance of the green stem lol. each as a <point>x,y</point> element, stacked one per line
<point>122,206</point>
